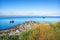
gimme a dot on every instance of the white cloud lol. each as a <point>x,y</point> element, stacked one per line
<point>29,13</point>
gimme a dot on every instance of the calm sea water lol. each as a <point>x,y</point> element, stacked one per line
<point>5,23</point>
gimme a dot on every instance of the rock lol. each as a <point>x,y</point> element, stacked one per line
<point>19,28</point>
<point>11,21</point>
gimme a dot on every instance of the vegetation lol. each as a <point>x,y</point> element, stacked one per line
<point>7,37</point>
<point>40,31</point>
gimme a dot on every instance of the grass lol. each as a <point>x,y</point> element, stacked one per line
<point>40,31</point>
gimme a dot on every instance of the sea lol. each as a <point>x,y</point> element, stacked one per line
<point>5,20</point>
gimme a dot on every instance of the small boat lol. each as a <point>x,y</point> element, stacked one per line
<point>43,17</point>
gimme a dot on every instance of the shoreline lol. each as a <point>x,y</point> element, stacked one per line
<point>18,28</point>
<point>21,27</point>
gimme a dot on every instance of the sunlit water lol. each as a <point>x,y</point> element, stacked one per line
<point>5,23</point>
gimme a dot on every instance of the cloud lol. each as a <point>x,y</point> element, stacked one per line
<point>29,13</point>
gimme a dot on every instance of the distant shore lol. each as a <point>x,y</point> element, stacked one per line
<point>4,17</point>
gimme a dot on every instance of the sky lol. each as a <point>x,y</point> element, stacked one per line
<point>29,7</point>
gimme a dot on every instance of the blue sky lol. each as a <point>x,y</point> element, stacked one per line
<point>29,7</point>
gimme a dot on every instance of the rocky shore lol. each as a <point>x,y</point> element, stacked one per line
<point>18,28</point>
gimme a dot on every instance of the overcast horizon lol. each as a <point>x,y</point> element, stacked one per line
<point>29,7</point>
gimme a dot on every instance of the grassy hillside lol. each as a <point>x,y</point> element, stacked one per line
<point>40,31</point>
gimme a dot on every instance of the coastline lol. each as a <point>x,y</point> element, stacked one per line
<point>22,27</point>
<point>7,17</point>
<point>18,28</point>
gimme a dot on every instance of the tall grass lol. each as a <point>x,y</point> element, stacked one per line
<point>37,32</point>
<point>40,31</point>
